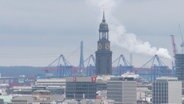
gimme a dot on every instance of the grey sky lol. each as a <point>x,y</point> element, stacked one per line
<point>35,32</point>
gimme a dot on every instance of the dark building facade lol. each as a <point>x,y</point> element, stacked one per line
<point>103,53</point>
<point>179,64</point>
<point>179,61</point>
<point>81,87</point>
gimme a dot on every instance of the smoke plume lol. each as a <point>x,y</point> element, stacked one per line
<point>119,35</point>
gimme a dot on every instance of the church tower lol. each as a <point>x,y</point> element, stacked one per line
<point>103,53</point>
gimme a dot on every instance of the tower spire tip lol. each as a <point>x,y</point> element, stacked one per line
<point>103,19</point>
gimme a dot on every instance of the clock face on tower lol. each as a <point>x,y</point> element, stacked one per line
<point>99,46</point>
<point>103,54</point>
<point>107,46</point>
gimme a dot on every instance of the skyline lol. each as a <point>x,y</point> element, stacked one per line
<point>35,33</point>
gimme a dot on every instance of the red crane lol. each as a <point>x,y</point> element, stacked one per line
<point>182,40</point>
<point>173,44</point>
<point>174,50</point>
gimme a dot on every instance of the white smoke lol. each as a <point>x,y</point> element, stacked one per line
<point>119,35</point>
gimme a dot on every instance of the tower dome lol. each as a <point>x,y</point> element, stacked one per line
<point>103,25</point>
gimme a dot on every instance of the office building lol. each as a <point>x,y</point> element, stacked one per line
<point>122,90</point>
<point>179,65</point>
<point>167,90</point>
<point>179,61</point>
<point>81,88</point>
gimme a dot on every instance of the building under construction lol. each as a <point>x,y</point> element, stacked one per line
<point>179,64</point>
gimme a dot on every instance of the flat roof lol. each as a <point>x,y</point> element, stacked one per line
<point>81,79</point>
<point>168,78</point>
<point>51,80</point>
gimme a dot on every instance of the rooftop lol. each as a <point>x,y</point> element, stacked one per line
<point>52,80</point>
<point>168,78</point>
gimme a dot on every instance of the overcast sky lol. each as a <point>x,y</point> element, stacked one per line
<point>35,32</point>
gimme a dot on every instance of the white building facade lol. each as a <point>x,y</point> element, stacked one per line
<point>122,90</point>
<point>167,90</point>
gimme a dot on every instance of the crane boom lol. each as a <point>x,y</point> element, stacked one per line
<point>182,40</point>
<point>173,44</point>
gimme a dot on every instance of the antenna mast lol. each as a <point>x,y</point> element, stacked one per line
<point>81,64</point>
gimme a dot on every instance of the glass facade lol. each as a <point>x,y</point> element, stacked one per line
<point>160,92</point>
<point>122,91</point>
<point>80,90</point>
<point>179,61</point>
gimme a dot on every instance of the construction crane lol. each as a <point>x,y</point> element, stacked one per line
<point>173,45</point>
<point>63,67</point>
<point>90,65</point>
<point>157,69</point>
<point>174,51</point>
<point>182,40</point>
<point>122,65</point>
